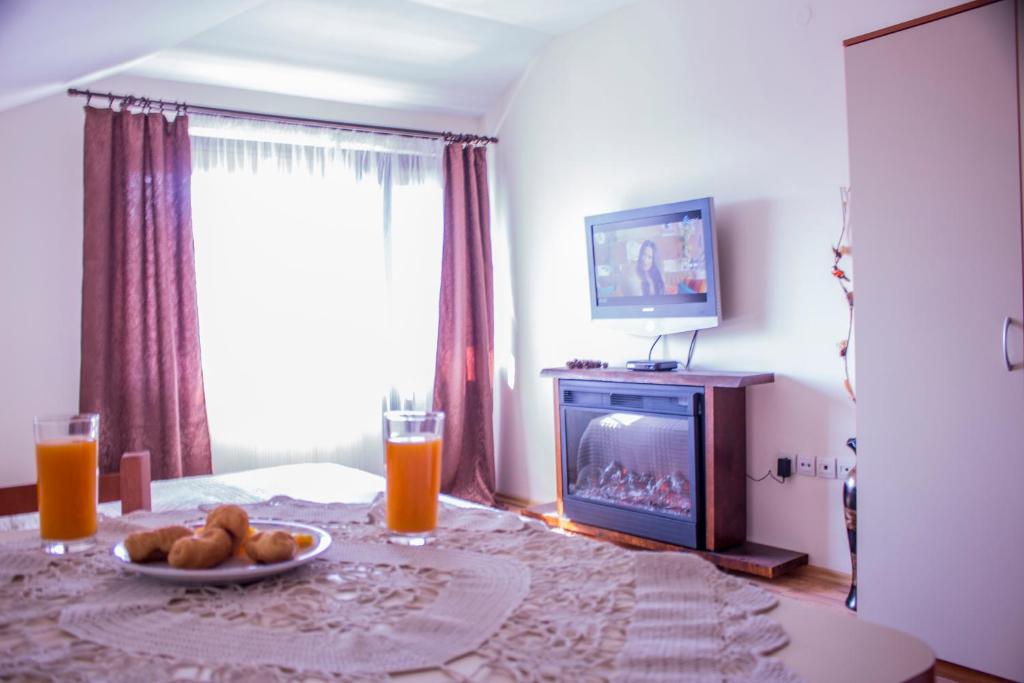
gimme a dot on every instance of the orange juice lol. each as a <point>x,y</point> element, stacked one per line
<point>413,472</point>
<point>67,488</point>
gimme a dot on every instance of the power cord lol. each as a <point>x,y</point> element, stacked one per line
<point>693,345</point>
<point>689,355</point>
<point>651,350</point>
<point>768,474</point>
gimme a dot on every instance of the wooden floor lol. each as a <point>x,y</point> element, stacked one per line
<point>811,584</point>
<point>947,671</point>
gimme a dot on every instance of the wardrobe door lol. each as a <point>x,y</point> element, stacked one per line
<point>936,226</point>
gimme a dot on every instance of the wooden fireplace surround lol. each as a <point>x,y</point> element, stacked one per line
<point>725,468</point>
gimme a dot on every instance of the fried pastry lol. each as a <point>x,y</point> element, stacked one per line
<point>208,548</point>
<point>153,545</point>
<point>269,547</point>
<point>232,519</point>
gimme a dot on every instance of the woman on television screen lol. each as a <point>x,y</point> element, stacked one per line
<point>647,280</point>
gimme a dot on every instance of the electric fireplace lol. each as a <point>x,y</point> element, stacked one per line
<point>632,458</point>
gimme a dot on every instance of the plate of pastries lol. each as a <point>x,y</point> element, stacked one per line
<point>227,548</point>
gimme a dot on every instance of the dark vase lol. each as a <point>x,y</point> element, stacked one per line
<point>850,507</point>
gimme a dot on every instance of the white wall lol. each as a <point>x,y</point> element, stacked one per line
<point>41,240</point>
<point>670,100</point>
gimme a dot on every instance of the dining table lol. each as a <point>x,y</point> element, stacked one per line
<point>496,597</point>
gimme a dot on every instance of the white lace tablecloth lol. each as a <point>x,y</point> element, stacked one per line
<point>495,598</point>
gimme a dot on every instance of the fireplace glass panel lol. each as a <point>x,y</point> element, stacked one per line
<point>631,461</point>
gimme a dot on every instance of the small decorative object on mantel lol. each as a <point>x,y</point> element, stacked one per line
<point>840,251</point>
<point>577,364</point>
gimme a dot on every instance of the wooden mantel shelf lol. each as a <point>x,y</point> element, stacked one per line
<point>704,378</point>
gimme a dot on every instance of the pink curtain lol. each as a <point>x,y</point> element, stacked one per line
<point>141,366</point>
<point>465,336</point>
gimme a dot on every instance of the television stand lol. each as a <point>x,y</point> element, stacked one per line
<point>723,438</point>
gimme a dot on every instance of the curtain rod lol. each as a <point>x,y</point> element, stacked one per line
<point>132,100</point>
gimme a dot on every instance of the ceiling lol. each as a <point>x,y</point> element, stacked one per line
<point>452,56</point>
<point>47,45</point>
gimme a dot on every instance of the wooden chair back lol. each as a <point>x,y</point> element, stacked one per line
<point>130,485</point>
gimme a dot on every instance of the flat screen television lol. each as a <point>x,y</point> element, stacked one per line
<point>655,270</point>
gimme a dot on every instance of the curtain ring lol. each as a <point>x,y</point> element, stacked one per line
<point>88,98</point>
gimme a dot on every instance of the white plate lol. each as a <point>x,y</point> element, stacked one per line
<point>236,569</point>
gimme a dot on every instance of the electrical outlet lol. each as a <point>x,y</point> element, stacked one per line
<point>805,465</point>
<point>827,468</point>
<point>843,467</point>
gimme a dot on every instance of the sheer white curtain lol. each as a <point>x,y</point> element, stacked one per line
<point>318,258</point>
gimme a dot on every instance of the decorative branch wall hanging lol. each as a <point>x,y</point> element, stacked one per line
<point>842,250</point>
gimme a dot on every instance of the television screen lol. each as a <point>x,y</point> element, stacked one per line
<point>657,263</point>
<point>660,262</point>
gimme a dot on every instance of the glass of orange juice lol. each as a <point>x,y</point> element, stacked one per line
<point>67,481</point>
<point>412,469</point>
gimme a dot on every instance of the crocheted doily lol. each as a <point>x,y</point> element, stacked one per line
<point>494,598</point>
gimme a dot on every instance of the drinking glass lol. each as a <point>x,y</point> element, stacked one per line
<point>412,469</point>
<point>67,481</point>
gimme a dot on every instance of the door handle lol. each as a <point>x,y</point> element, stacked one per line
<point>1006,347</point>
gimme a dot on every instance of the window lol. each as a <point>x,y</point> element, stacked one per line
<point>318,258</point>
